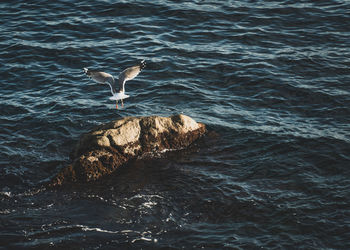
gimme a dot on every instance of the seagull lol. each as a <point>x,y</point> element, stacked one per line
<point>105,78</point>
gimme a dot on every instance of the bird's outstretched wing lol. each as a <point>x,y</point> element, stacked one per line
<point>129,74</point>
<point>101,77</point>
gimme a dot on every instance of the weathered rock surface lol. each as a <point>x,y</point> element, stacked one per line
<point>107,147</point>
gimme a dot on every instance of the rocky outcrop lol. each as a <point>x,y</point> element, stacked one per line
<point>109,146</point>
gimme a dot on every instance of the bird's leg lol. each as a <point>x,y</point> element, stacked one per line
<point>116,104</point>
<point>122,103</point>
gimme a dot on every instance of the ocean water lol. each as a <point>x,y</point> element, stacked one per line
<point>271,79</point>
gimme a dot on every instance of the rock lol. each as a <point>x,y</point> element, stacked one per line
<point>109,146</point>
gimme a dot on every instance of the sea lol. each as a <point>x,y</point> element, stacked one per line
<point>270,79</point>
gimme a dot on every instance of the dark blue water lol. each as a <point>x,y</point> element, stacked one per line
<point>271,78</point>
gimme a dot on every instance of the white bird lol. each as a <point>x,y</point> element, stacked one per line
<point>105,78</point>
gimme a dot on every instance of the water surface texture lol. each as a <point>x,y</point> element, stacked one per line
<point>271,78</point>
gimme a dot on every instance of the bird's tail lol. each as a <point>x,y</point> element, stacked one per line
<point>86,71</point>
<point>142,64</point>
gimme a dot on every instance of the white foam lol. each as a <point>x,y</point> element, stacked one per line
<point>96,229</point>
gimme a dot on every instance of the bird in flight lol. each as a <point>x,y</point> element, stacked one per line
<point>105,78</point>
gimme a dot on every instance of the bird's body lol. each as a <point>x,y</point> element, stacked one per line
<point>105,78</point>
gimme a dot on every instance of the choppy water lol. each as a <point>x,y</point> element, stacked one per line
<point>271,78</point>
